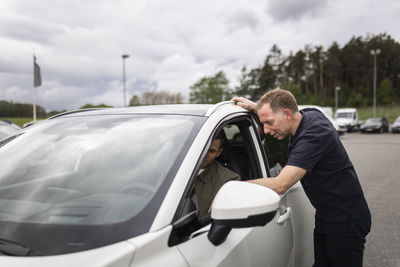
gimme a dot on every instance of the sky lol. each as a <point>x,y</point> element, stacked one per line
<point>171,44</point>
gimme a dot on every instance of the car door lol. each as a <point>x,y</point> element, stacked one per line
<point>270,245</point>
<point>302,212</point>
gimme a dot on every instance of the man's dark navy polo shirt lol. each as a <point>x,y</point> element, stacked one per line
<point>331,182</point>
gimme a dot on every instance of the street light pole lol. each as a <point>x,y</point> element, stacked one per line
<point>124,56</point>
<point>337,97</point>
<point>375,52</point>
<point>321,76</point>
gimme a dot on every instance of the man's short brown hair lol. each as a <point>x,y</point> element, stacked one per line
<point>278,100</point>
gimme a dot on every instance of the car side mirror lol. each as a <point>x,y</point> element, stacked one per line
<point>240,205</point>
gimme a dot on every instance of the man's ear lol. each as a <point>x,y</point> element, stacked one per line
<point>219,152</point>
<point>288,113</point>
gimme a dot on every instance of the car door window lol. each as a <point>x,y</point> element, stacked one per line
<point>238,150</point>
<point>277,153</point>
<point>276,150</point>
<point>238,155</point>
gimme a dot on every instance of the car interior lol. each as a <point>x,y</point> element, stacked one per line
<point>237,153</point>
<point>239,156</point>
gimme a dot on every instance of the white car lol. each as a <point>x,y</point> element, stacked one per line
<point>115,187</point>
<point>328,113</point>
<point>347,118</point>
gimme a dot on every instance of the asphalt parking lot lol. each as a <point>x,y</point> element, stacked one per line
<point>376,158</point>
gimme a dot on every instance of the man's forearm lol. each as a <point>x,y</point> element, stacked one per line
<point>286,179</point>
<point>271,183</point>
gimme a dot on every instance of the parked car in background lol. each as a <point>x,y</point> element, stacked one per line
<point>327,112</point>
<point>375,125</point>
<point>115,187</point>
<point>347,118</point>
<point>29,123</point>
<point>396,126</point>
<point>8,128</point>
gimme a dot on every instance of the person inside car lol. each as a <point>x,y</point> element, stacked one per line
<point>212,175</point>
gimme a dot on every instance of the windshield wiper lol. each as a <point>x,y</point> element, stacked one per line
<point>12,248</point>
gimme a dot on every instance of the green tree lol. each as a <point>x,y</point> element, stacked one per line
<point>55,112</point>
<point>295,90</point>
<point>257,81</point>
<point>297,63</point>
<point>266,79</point>
<point>332,69</point>
<point>95,106</point>
<point>156,98</point>
<point>10,109</point>
<point>135,101</point>
<point>317,72</point>
<point>249,85</point>
<point>385,93</point>
<point>210,90</point>
<point>355,100</point>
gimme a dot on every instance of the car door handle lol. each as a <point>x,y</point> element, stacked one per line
<point>284,217</point>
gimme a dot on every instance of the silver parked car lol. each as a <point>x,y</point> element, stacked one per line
<point>396,126</point>
<point>115,187</point>
<point>375,125</point>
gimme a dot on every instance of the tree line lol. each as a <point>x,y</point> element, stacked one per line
<point>313,74</point>
<point>11,109</point>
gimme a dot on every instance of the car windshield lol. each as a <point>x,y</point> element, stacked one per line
<point>344,115</point>
<point>6,130</point>
<point>397,120</point>
<point>75,183</point>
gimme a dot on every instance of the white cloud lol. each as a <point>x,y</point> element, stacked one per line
<point>282,10</point>
<point>242,19</point>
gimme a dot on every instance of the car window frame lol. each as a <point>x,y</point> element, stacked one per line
<point>181,218</point>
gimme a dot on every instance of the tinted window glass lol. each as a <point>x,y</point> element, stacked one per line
<point>277,153</point>
<point>346,115</point>
<point>373,120</point>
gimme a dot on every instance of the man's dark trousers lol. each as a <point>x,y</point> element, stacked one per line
<point>340,243</point>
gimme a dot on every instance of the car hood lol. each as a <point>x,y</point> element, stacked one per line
<point>396,124</point>
<point>119,254</point>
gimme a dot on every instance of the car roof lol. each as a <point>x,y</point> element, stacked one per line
<point>346,110</point>
<point>376,118</point>
<point>310,106</point>
<point>9,123</point>
<point>178,109</point>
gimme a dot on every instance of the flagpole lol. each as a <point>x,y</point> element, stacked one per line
<point>34,103</point>
<point>34,89</point>
<point>37,81</point>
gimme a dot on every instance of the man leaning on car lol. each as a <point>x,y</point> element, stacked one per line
<point>319,160</point>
